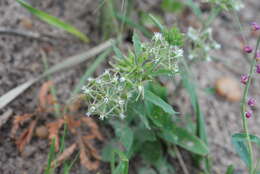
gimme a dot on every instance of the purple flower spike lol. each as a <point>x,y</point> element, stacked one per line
<point>251,102</point>
<point>258,69</point>
<point>244,78</point>
<point>248,49</point>
<point>255,26</point>
<point>249,114</point>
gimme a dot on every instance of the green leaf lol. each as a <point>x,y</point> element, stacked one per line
<point>151,151</point>
<point>123,165</point>
<point>230,170</point>
<point>242,137</point>
<point>142,135</point>
<point>172,5</point>
<point>156,22</point>
<point>142,116</point>
<point>125,135</point>
<point>160,118</point>
<point>183,138</point>
<point>137,46</point>
<point>151,97</point>
<point>242,150</point>
<point>118,52</point>
<point>54,21</point>
<point>107,151</point>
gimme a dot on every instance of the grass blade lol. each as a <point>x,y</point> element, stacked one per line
<point>70,62</point>
<point>54,21</point>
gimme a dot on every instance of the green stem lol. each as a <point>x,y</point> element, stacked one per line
<point>243,108</point>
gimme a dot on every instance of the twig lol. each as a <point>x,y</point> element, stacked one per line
<point>180,159</point>
<point>26,34</point>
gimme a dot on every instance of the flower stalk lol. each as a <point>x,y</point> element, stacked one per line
<point>244,105</point>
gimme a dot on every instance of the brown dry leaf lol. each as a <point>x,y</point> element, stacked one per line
<point>90,147</point>
<point>53,128</point>
<point>85,157</point>
<point>64,156</point>
<point>93,127</point>
<point>72,123</point>
<point>18,120</point>
<point>229,88</point>
<point>76,104</point>
<point>26,136</point>
<point>43,94</point>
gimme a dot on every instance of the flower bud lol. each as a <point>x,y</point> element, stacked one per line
<point>244,78</point>
<point>251,102</point>
<point>258,69</point>
<point>248,49</point>
<point>255,26</point>
<point>249,114</point>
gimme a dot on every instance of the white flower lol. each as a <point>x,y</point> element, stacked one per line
<point>102,116</point>
<point>99,81</point>
<point>88,114</point>
<point>122,116</point>
<point>121,102</point>
<point>122,79</point>
<point>105,100</point>
<point>90,79</point>
<point>157,36</point>
<point>92,109</point>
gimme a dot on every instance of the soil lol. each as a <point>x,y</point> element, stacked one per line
<point>21,60</point>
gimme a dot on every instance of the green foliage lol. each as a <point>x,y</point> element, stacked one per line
<point>230,170</point>
<point>241,149</point>
<point>172,5</point>
<point>54,21</point>
<point>173,36</point>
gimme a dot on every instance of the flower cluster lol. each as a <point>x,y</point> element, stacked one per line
<point>108,94</point>
<point>162,54</point>
<point>203,43</point>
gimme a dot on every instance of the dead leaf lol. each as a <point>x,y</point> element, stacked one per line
<point>19,120</point>
<point>64,156</point>
<point>229,88</point>
<point>94,152</point>
<point>53,129</point>
<point>72,123</point>
<point>85,156</point>
<point>43,95</point>
<point>26,136</point>
<point>5,117</point>
<point>93,127</point>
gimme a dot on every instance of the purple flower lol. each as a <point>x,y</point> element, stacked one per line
<point>258,69</point>
<point>251,102</point>
<point>244,78</point>
<point>249,114</point>
<point>255,26</point>
<point>257,56</point>
<point>248,49</point>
